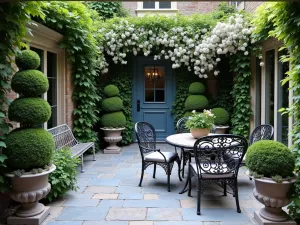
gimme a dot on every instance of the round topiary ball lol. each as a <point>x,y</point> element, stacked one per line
<point>113,120</point>
<point>27,59</point>
<point>196,88</point>
<point>270,158</point>
<point>111,90</point>
<point>196,102</point>
<point>30,111</point>
<point>112,104</point>
<point>221,116</point>
<point>30,83</point>
<point>28,148</point>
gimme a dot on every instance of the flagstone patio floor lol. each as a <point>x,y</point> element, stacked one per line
<point>108,194</point>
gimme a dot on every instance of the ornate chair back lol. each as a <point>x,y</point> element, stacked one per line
<point>181,125</point>
<point>262,132</point>
<point>219,154</point>
<point>146,137</point>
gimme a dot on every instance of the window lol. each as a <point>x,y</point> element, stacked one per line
<point>235,3</point>
<point>157,5</point>
<point>165,5</point>
<point>154,84</point>
<point>148,5</point>
<point>49,61</point>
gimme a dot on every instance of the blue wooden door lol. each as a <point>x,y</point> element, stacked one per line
<point>153,95</point>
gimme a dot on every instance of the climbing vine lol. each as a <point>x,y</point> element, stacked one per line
<point>108,10</point>
<point>240,119</point>
<point>281,20</point>
<point>14,18</point>
<point>74,21</point>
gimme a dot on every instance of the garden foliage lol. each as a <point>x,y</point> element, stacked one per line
<point>108,10</point>
<point>63,178</point>
<point>221,116</point>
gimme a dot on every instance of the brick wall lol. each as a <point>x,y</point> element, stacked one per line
<point>68,95</point>
<point>185,8</point>
<point>251,6</point>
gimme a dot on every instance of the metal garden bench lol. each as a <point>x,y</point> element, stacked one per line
<point>64,137</point>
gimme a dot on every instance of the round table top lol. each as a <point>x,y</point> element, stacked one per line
<point>183,140</point>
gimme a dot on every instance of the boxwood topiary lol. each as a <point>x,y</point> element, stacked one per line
<point>29,148</point>
<point>113,120</point>
<point>270,158</point>
<point>111,90</point>
<point>27,59</point>
<point>196,102</point>
<point>196,88</point>
<point>30,111</point>
<point>112,104</point>
<point>30,83</point>
<point>221,116</point>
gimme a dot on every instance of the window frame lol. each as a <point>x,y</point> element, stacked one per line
<point>156,8</point>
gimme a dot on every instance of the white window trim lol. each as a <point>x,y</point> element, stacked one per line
<point>156,9</point>
<point>46,39</point>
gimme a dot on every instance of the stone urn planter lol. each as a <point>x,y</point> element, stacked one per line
<point>199,132</point>
<point>221,129</point>
<point>28,190</point>
<point>112,136</point>
<point>274,196</point>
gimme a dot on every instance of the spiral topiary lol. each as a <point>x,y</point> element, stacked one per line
<point>270,158</point>
<point>111,90</point>
<point>31,83</point>
<point>29,147</point>
<point>221,116</point>
<point>195,101</point>
<point>112,106</point>
<point>196,88</point>
<point>27,59</point>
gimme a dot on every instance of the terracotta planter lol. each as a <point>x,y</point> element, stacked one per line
<point>221,129</point>
<point>274,196</point>
<point>112,137</point>
<point>199,132</point>
<point>28,190</point>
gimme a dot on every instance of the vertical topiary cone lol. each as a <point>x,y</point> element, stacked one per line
<point>112,105</point>
<point>30,146</point>
<point>195,101</point>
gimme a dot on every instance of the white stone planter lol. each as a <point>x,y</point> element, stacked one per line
<point>28,190</point>
<point>221,129</point>
<point>112,136</point>
<point>274,196</point>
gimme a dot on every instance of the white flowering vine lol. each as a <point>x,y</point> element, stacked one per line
<point>200,51</point>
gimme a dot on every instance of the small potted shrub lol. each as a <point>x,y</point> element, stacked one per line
<point>195,101</point>
<point>271,164</point>
<point>200,123</point>
<point>221,120</point>
<point>113,120</point>
<point>29,148</point>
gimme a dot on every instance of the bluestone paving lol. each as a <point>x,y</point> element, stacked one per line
<point>108,194</point>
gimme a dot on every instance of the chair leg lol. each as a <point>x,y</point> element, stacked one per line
<point>199,197</point>
<point>82,166</point>
<point>236,192</point>
<point>190,182</point>
<point>142,175</point>
<point>225,188</point>
<point>94,156</point>
<point>154,170</point>
<point>179,162</point>
<point>169,173</point>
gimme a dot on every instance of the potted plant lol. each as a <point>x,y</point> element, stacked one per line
<point>29,148</point>
<point>271,164</point>
<point>221,120</point>
<point>195,101</point>
<point>113,120</point>
<point>200,123</point>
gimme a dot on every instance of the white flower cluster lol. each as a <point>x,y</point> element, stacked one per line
<point>199,51</point>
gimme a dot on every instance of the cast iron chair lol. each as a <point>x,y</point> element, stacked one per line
<point>146,137</point>
<point>217,159</point>
<point>181,128</point>
<point>262,132</point>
